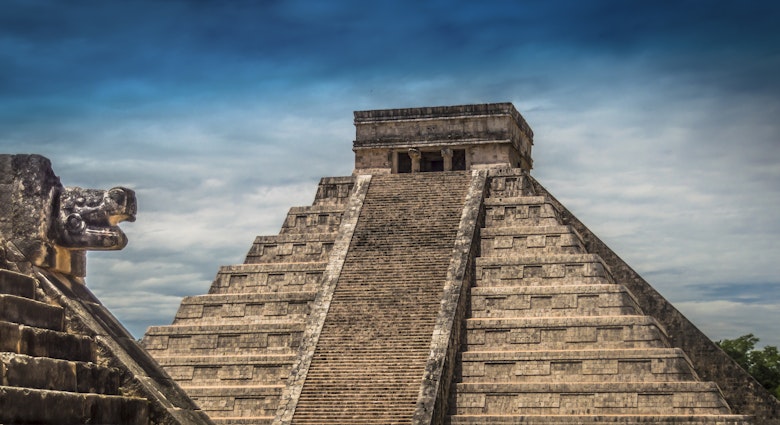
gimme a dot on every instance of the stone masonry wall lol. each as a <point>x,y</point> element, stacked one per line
<point>741,391</point>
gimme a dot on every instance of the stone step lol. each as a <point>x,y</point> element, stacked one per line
<point>394,367</point>
<point>251,359</point>
<point>371,356</point>
<point>587,332</point>
<point>278,337</point>
<point>245,420</point>
<point>553,230</point>
<point>365,387</point>
<point>343,410</point>
<point>268,278</point>
<point>313,219</point>
<point>334,190</point>
<point>236,401</point>
<point>529,240</point>
<point>292,248</point>
<point>356,377</point>
<point>19,370</point>
<point>343,405</point>
<point>373,340</point>
<point>368,415</point>
<point>523,419</point>
<point>60,407</point>
<point>18,284</point>
<point>38,342</point>
<point>351,419</point>
<point>649,365</point>
<point>563,269</point>
<point>511,185</point>
<point>551,301</point>
<point>247,307</point>
<point>231,370</point>
<point>590,398</point>
<point>520,211</point>
<point>29,312</point>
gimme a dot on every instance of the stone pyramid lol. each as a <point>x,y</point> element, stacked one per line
<point>442,284</point>
<point>64,358</point>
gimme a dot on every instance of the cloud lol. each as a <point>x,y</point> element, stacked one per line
<point>730,319</point>
<point>655,123</point>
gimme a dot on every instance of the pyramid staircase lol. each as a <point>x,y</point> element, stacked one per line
<point>371,356</point>
<point>232,349</point>
<point>45,364</point>
<point>552,338</point>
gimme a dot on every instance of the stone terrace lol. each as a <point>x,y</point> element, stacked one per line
<point>552,336</point>
<point>232,349</point>
<point>43,364</point>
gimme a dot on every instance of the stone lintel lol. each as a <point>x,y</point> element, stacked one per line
<point>215,329</point>
<point>444,112</point>
<point>514,201</point>
<point>402,144</point>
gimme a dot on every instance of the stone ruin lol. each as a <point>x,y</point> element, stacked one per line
<point>438,284</point>
<point>64,359</point>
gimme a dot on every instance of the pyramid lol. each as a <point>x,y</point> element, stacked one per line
<point>442,284</point>
<point>64,358</point>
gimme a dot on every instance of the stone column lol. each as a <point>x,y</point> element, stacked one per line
<point>446,153</point>
<point>415,155</point>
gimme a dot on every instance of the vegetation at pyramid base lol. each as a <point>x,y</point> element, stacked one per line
<point>763,364</point>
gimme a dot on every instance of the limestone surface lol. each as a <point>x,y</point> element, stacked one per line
<point>64,359</point>
<point>442,284</point>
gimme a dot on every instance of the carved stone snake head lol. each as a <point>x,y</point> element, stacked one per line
<point>87,218</point>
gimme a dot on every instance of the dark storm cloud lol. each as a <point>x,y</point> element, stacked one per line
<point>220,43</point>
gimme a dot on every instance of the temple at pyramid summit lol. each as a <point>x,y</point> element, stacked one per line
<point>440,283</point>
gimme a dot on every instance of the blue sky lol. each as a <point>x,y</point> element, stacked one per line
<point>656,123</point>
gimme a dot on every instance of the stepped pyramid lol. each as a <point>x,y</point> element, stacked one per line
<point>442,284</point>
<point>64,359</point>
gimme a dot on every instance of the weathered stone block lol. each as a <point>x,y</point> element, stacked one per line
<point>30,312</point>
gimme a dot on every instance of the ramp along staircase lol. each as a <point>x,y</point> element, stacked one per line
<point>553,339</point>
<point>45,364</point>
<point>232,349</point>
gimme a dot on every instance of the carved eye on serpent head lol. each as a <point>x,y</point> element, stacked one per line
<point>74,224</point>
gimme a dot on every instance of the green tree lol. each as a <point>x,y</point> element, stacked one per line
<point>764,365</point>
